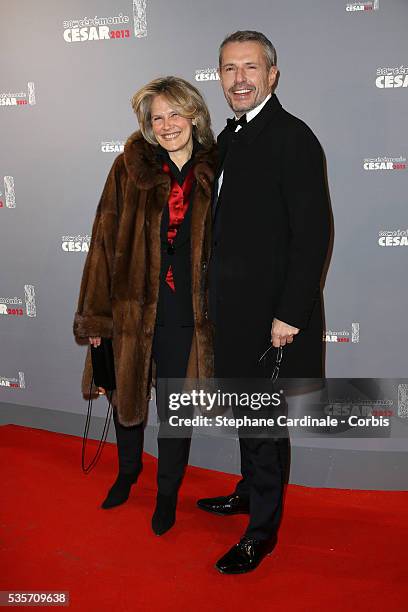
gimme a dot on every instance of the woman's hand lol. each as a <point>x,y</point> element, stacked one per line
<point>96,341</point>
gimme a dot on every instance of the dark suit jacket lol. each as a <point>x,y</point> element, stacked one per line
<point>270,240</point>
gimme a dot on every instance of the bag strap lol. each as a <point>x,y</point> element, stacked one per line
<point>93,462</point>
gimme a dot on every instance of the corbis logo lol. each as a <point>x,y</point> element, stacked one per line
<point>392,77</point>
<point>8,196</point>
<point>385,163</point>
<point>75,244</point>
<point>117,27</point>
<point>344,335</point>
<point>13,382</point>
<point>371,5</point>
<point>18,306</point>
<point>398,237</point>
<point>22,98</point>
<point>207,74</point>
<point>112,146</point>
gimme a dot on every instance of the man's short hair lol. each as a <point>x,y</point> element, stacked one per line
<point>252,36</point>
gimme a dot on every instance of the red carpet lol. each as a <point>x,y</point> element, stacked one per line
<point>339,550</point>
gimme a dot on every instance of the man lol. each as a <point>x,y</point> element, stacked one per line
<point>270,240</point>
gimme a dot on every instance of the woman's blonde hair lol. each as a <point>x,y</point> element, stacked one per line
<point>186,100</point>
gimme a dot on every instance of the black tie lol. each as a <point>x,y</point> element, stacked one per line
<point>232,124</point>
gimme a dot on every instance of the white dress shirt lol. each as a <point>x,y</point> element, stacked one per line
<point>249,115</point>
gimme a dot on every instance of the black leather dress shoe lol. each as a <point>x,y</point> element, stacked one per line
<point>120,490</point>
<point>164,515</point>
<point>230,504</point>
<point>245,556</point>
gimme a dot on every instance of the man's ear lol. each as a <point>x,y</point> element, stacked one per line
<point>272,76</point>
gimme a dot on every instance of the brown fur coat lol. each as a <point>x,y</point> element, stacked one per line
<point>120,282</point>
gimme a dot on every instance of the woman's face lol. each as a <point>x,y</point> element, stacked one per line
<point>172,131</point>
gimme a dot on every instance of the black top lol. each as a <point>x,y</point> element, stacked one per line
<point>175,307</point>
<point>179,175</point>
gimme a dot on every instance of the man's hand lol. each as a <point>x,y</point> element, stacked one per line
<point>282,333</point>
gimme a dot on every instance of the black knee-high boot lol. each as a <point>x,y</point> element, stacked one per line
<point>173,458</point>
<point>130,448</point>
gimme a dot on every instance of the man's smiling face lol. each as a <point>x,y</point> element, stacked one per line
<point>245,77</point>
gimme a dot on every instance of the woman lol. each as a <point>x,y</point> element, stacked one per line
<point>144,281</point>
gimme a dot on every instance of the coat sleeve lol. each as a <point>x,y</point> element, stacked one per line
<point>305,193</point>
<point>94,311</point>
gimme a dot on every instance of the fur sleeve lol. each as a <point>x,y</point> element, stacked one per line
<point>94,312</point>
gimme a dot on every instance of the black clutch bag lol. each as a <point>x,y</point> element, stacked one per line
<point>103,365</point>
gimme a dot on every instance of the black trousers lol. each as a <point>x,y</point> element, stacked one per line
<point>264,460</point>
<point>264,465</point>
<point>171,350</point>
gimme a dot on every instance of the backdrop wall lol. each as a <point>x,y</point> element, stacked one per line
<point>68,71</point>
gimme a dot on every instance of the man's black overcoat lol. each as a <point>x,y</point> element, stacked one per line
<point>271,234</point>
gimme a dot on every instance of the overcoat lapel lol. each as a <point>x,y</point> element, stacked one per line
<point>244,137</point>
